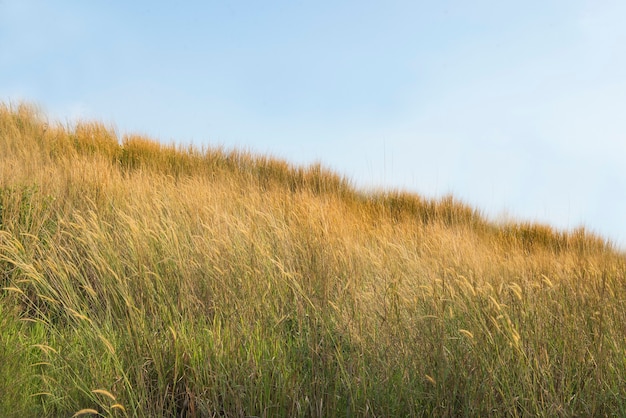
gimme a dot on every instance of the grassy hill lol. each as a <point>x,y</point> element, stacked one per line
<point>138,279</point>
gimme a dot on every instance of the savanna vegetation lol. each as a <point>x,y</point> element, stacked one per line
<point>141,279</point>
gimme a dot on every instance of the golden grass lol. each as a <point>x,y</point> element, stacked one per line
<point>142,279</point>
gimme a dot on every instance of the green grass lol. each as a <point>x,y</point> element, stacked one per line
<point>140,279</point>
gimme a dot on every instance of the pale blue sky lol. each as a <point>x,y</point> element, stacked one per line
<point>513,107</point>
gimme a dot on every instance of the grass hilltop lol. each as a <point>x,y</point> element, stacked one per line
<point>138,279</point>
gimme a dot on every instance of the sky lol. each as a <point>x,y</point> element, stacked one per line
<point>516,108</point>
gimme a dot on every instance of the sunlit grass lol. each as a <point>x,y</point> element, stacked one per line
<point>141,279</point>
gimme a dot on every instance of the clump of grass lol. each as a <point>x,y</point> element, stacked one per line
<point>141,279</point>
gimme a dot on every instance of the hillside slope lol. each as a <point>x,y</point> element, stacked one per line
<point>139,279</point>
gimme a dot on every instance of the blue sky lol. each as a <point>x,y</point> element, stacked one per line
<point>514,107</point>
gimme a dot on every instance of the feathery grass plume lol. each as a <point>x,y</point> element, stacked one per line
<point>143,279</point>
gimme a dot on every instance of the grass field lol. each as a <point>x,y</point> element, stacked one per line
<point>138,279</point>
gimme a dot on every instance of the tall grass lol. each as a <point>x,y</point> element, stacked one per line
<point>140,279</point>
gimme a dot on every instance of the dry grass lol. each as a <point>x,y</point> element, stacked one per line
<point>140,279</point>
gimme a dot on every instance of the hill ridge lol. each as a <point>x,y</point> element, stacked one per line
<point>142,279</point>
<point>135,152</point>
